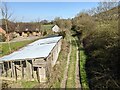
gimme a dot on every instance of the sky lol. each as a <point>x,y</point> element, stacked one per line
<point>31,11</point>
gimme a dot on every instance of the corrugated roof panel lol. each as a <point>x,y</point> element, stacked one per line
<point>37,49</point>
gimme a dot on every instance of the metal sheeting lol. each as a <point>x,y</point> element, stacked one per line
<point>38,49</point>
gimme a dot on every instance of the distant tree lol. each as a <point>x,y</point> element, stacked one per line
<point>38,25</point>
<point>68,24</point>
<point>6,16</point>
<point>44,22</point>
<point>107,5</point>
<point>44,33</point>
<point>100,12</point>
<point>84,23</point>
<point>58,21</point>
<point>103,7</point>
<point>64,24</point>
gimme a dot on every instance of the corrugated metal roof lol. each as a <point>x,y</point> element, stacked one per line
<point>38,49</point>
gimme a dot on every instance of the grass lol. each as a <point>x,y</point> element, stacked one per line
<point>4,47</point>
<point>47,27</point>
<point>59,69</point>
<point>14,46</point>
<point>71,74</point>
<point>83,74</point>
<point>28,84</point>
<point>57,82</point>
<point>22,84</point>
<point>19,84</point>
<point>72,66</point>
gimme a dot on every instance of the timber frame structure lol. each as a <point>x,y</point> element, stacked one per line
<point>38,68</point>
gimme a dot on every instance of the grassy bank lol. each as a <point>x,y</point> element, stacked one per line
<point>83,74</point>
<point>59,68</point>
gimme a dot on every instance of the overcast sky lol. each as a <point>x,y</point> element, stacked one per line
<point>30,11</point>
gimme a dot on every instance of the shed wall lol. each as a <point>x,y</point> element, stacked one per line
<point>34,69</point>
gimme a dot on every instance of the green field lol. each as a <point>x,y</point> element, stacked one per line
<point>4,49</point>
<point>47,27</point>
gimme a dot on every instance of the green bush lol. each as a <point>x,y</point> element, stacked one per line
<point>2,38</point>
<point>62,33</point>
<point>100,38</point>
<point>44,33</point>
<point>103,51</point>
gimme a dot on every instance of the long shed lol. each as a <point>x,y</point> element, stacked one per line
<point>33,62</point>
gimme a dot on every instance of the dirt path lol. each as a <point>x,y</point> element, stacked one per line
<point>77,79</point>
<point>77,69</point>
<point>63,83</point>
<point>18,39</point>
<point>24,38</point>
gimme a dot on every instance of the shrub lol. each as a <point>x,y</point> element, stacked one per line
<point>62,33</point>
<point>44,33</point>
<point>102,48</point>
<point>2,38</point>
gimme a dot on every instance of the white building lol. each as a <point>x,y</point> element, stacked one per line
<point>55,28</point>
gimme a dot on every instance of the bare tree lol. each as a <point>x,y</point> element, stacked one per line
<point>103,7</point>
<point>38,25</point>
<point>6,15</point>
<point>107,5</point>
<point>38,21</point>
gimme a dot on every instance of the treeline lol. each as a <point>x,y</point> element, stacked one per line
<point>100,38</point>
<point>44,27</point>
<point>98,32</point>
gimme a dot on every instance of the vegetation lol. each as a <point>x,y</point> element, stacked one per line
<point>18,84</point>
<point>83,73</point>
<point>59,68</point>
<point>97,31</point>
<point>102,66</point>
<point>100,38</point>
<point>2,38</point>
<point>46,29</point>
<point>28,84</point>
<point>72,66</point>
<point>14,46</point>
<point>63,23</point>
